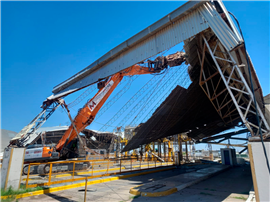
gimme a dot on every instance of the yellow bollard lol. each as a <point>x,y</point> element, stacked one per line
<point>85,190</point>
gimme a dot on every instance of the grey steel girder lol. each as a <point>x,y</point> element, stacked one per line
<point>186,21</point>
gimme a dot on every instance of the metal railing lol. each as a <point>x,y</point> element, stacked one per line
<point>78,170</point>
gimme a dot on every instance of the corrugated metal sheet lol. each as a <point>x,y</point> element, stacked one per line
<point>235,30</point>
<point>52,129</point>
<point>227,37</point>
<point>176,27</point>
<point>185,110</point>
<point>164,40</point>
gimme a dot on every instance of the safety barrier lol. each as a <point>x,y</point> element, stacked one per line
<point>71,171</point>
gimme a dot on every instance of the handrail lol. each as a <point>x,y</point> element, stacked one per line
<point>121,165</point>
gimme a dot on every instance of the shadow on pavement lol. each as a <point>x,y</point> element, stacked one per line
<point>60,198</point>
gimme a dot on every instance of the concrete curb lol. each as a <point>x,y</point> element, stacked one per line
<point>158,194</point>
<point>152,194</point>
<point>134,191</point>
<point>60,188</point>
<point>174,189</point>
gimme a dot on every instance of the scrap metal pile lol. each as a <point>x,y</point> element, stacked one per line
<point>99,140</point>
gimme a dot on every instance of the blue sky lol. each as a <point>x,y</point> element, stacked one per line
<point>44,43</point>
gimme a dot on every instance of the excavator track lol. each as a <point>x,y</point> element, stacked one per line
<point>44,169</point>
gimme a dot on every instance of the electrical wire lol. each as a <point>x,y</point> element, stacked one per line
<point>252,88</point>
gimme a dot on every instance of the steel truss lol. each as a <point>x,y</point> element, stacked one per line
<point>28,132</point>
<point>227,89</point>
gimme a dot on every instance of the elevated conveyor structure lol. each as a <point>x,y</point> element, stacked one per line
<point>215,51</point>
<point>218,66</point>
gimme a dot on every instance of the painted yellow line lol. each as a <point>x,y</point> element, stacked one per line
<point>71,186</point>
<point>136,192</point>
<point>97,171</point>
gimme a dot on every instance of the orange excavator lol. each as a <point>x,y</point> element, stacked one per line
<point>84,117</point>
<point>87,114</point>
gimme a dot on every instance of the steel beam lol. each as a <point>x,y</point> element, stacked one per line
<point>233,145</point>
<point>227,135</point>
<point>161,35</point>
<point>242,111</point>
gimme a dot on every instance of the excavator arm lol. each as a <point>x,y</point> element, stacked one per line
<point>27,136</point>
<point>87,114</point>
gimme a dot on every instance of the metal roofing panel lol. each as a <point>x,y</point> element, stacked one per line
<point>52,129</point>
<point>184,22</point>
<point>235,30</point>
<point>227,37</point>
<point>188,26</point>
<point>184,110</point>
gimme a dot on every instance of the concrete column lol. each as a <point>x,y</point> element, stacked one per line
<point>259,170</point>
<point>11,172</point>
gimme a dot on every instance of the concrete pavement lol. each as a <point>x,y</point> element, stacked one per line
<point>232,185</point>
<point>173,184</point>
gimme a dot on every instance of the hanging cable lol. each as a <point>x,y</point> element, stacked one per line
<point>87,92</point>
<point>172,122</point>
<point>252,88</point>
<point>181,77</point>
<point>170,81</point>
<point>116,97</point>
<point>143,100</point>
<point>130,102</point>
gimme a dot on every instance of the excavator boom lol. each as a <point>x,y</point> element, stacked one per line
<point>87,114</point>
